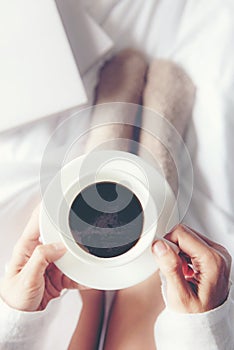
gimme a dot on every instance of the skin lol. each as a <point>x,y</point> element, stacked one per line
<point>121,79</point>
<point>32,273</point>
<point>88,330</point>
<point>206,285</point>
<point>133,315</point>
<point>170,92</point>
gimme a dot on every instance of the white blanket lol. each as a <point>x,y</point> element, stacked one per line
<point>198,35</point>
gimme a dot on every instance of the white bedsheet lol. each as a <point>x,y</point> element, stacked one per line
<point>195,33</point>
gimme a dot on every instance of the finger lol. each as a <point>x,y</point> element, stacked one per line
<point>50,288</point>
<point>218,247</point>
<point>68,283</point>
<point>170,265</point>
<point>190,243</point>
<point>204,238</point>
<point>31,231</point>
<point>42,256</point>
<point>46,299</point>
<point>55,276</point>
<point>202,251</point>
<point>59,280</point>
<point>25,245</point>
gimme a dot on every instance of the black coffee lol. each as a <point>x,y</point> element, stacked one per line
<point>106,219</point>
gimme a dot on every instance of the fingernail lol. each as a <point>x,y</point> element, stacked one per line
<point>160,248</point>
<point>59,246</point>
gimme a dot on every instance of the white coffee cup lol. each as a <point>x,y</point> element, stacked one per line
<point>159,215</point>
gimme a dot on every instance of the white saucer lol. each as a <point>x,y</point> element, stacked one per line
<point>152,190</point>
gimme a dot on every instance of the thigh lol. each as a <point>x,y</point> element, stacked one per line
<point>133,316</point>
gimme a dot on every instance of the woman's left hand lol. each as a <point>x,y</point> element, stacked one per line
<point>197,278</point>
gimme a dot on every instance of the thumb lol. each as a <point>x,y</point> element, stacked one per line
<point>170,265</point>
<point>42,256</point>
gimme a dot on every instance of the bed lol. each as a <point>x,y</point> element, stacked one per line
<point>196,34</point>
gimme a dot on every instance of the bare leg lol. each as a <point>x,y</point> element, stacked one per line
<point>133,315</point>
<point>122,79</point>
<point>170,92</point>
<point>87,332</point>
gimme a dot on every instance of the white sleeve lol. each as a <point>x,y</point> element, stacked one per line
<point>212,330</point>
<point>24,330</point>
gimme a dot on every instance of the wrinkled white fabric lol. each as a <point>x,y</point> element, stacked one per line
<point>209,330</point>
<point>198,35</point>
<point>34,330</point>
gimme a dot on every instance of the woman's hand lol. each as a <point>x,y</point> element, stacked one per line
<point>198,278</point>
<point>32,279</point>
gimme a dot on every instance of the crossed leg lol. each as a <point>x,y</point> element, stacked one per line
<point>133,316</point>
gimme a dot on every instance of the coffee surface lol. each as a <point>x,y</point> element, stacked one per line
<point>106,219</point>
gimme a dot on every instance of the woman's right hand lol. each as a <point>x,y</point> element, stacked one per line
<point>32,279</point>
